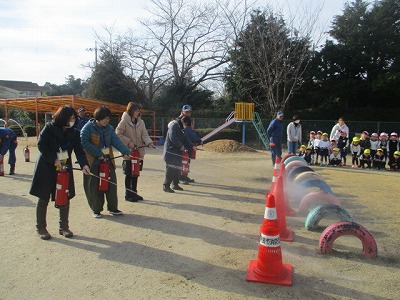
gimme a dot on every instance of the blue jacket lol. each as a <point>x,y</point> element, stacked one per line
<point>81,122</point>
<point>275,130</point>
<point>193,137</point>
<point>94,138</point>
<point>6,136</point>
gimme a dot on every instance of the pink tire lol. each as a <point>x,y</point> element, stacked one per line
<point>336,230</point>
<point>313,199</point>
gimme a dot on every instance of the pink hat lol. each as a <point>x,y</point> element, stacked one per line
<point>374,134</point>
<point>383,134</point>
<point>393,133</point>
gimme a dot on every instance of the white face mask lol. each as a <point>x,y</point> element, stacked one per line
<point>297,121</point>
<point>71,124</point>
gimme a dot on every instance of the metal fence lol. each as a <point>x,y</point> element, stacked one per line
<point>355,127</point>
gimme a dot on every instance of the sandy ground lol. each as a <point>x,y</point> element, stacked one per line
<point>197,243</point>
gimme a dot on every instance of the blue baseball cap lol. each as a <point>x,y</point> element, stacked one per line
<point>186,107</point>
<point>279,113</point>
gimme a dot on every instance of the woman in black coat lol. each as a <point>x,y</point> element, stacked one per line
<point>56,142</point>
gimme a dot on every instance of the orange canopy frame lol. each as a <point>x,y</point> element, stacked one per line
<point>49,105</point>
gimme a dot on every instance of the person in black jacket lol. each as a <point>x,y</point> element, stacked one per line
<point>56,142</point>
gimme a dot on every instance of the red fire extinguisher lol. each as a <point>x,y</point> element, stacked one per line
<point>104,174</point>
<point>27,154</point>
<point>185,163</point>
<point>193,152</point>
<point>62,191</point>
<point>1,167</point>
<point>135,162</point>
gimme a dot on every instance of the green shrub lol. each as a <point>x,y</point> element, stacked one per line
<point>30,130</point>
<point>16,129</point>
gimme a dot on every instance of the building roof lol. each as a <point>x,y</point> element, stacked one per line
<point>24,86</point>
<point>51,104</point>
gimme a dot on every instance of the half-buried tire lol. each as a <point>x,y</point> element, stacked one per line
<point>334,231</point>
<point>322,211</point>
<point>316,198</point>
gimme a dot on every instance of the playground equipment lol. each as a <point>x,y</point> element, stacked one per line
<point>243,113</point>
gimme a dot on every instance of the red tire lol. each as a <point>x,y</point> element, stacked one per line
<point>313,199</point>
<point>331,233</point>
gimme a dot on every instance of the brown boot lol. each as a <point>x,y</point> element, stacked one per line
<point>41,211</point>
<point>66,232</point>
<point>43,233</point>
<point>64,228</point>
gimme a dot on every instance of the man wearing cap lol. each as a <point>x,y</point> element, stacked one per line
<point>82,119</point>
<point>275,132</point>
<point>186,112</point>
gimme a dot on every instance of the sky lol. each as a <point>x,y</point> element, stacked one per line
<point>48,40</point>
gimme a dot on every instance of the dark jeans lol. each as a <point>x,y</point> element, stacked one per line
<point>276,151</point>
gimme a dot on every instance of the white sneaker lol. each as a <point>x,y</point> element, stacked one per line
<point>97,215</point>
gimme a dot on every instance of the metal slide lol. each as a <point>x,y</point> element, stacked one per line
<point>229,120</point>
<point>258,125</point>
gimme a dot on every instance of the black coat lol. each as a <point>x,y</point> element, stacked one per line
<point>51,139</point>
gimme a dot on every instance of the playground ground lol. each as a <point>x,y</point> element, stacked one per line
<point>197,243</point>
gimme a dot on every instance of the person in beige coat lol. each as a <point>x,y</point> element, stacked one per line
<point>133,133</point>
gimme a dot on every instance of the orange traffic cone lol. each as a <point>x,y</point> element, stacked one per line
<point>275,175</point>
<point>268,267</point>
<point>288,210</point>
<point>286,234</point>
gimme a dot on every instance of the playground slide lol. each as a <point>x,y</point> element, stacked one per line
<point>218,129</point>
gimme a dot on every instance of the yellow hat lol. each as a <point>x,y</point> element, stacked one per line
<point>396,153</point>
<point>303,146</point>
<point>335,149</point>
<point>356,139</point>
<point>367,151</point>
<point>325,134</point>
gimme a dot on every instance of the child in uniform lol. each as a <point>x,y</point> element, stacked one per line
<point>364,141</point>
<point>379,160</point>
<point>317,150</point>
<point>366,159</point>
<point>374,143</point>
<point>324,149</point>
<point>335,159</point>
<point>343,144</point>
<point>355,152</point>
<point>308,156</point>
<point>383,143</point>
<point>302,151</point>
<point>393,145</point>
<point>311,145</point>
<point>394,164</point>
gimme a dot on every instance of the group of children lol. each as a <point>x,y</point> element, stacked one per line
<point>366,151</point>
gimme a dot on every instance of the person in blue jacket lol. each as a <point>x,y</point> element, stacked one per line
<point>8,142</point>
<point>275,132</point>
<point>98,137</point>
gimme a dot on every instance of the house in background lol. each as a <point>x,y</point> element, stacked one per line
<point>21,89</point>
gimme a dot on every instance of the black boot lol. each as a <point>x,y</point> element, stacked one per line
<point>175,185</point>
<point>129,195</point>
<point>134,188</point>
<point>166,188</point>
<point>41,212</point>
<point>64,228</point>
<point>12,169</point>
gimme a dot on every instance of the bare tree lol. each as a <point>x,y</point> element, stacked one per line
<point>269,59</point>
